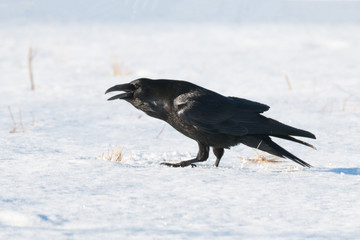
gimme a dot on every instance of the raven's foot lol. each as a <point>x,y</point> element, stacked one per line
<point>180,164</point>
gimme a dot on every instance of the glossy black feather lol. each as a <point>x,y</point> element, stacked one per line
<point>209,118</point>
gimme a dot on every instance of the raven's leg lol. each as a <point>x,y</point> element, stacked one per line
<point>219,152</point>
<point>202,155</point>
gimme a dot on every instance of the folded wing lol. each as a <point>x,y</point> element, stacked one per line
<point>229,115</point>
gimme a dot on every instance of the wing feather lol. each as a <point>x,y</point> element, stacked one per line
<point>218,114</point>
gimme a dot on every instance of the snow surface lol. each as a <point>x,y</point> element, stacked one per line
<point>54,184</point>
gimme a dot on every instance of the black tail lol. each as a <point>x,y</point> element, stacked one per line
<point>265,143</point>
<point>295,140</point>
<point>268,126</point>
<point>279,129</point>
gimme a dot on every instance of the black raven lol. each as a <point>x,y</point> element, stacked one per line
<point>209,118</point>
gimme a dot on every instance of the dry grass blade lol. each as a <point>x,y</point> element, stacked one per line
<point>30,59</point>
<point>13,120</point>
<point>266,159</point>
<point>120,69</point>
<point>162,129</point>
<point>344,105</point>
<point>262,159</point>
<point>15,128</point>
<point>288,82</point>
<point>115,155</point>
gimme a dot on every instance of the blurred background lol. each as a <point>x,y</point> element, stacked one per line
<point>235,11</point>
<point>302,50</point>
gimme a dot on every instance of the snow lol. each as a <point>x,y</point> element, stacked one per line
<point>55,185</point>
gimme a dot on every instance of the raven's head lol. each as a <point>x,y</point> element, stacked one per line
<point>145,94</point>
<point>141,89</point>
<point>127,88</point>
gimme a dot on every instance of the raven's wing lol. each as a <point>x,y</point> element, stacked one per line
<point>215,113</point>
<point>212,112</point>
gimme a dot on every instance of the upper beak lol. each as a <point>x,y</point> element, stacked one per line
<point>127,88</point>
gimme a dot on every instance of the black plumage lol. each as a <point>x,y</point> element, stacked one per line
<point>209,118</point>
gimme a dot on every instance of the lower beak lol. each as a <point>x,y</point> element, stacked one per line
<point>127,88</point>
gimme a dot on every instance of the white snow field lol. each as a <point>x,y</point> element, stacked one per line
<point>54,184</point>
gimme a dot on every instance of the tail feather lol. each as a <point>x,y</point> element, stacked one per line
<point>279,128</point>
<point>265,143</point>
<point>295,140</point>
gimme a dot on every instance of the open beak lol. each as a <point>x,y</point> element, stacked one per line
<point>127,88</point>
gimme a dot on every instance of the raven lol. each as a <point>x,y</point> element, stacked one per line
<point>209,118</point>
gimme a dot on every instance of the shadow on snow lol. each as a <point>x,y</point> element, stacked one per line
<point>347,171</point>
